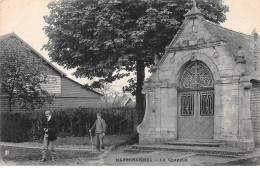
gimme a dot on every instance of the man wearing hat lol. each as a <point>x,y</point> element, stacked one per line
<point>49,136</point>
<point>100,130</point>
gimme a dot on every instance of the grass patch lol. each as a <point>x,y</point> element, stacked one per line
<point>25,155</point>
<point>31,156</point>
<point>109,140</point>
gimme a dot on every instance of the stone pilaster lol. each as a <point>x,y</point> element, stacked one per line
<point>147,125</point>
<point>218,111</point>
<point>160,120</point>
<point>245,132</point>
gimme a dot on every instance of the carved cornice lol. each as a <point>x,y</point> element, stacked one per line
<point>226,79</point>
<point>161,84</point>
<point>148,87</point>
<point>153,86</point>
<point>196,47</point>
<point>217,82</point>
<point>245,78</point>
<point>166,85</point>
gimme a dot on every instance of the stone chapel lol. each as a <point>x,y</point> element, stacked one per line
<point>205,88</point>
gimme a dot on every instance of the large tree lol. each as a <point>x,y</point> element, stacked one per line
<point>102,37</point>
<point>21,75</point>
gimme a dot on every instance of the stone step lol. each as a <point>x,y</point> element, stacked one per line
<point>201,150</point>
<point>133,150</point>
<point>179,143</point>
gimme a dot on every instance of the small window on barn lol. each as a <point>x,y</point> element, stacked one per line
<point>51,80</point>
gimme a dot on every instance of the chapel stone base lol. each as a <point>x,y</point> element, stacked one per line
<point>246,144</point>
<point>154,138</point>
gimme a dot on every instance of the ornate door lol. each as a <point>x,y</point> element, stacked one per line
<point>196,103</point>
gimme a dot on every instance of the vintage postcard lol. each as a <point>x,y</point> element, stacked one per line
<point>129,82</point>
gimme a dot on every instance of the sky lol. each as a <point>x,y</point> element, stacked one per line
<point>25,18</point>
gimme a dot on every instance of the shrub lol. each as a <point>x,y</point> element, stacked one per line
<point>14,127</point>
<point>71,122</point>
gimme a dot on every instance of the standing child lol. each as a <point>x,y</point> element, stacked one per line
<point>100,130</point>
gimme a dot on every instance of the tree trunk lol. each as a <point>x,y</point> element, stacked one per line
<point>10,103</point>
<point>71,125</point>
<point>140,99</point>
<point>80,126</point>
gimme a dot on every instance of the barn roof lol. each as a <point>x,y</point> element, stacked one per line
<point>3,37</point>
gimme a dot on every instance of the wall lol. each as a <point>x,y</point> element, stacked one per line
<point>255,110</point>
<point>54,88</point>
<point>71,88</point>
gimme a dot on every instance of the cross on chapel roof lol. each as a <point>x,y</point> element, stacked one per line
<point>194,3</point>
<point>193,11</point>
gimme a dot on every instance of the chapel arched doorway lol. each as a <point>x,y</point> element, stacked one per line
<point>195,103</point>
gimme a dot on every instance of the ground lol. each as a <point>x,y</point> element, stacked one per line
<point>76,151</point>
<point>170,158</point>
<point>31,156</point>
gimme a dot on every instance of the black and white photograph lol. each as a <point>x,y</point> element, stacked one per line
<point>129,83</point>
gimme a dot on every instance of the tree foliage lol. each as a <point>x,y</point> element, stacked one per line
<point>21,75</point>
<point>99,38</point>
<point>102,37</point>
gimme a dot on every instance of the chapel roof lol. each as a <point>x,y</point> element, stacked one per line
<point>235,40</point>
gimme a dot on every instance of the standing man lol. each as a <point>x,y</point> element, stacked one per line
<point>49,136</point>
<point>100,131</point>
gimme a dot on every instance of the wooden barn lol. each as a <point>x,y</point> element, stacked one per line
<point>68,93</point>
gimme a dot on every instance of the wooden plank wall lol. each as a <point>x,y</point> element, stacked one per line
<point>80,102</point>
<point>73,95</point>
<point>52,88</point>
<point>58,103</point>
<point>70,88</point>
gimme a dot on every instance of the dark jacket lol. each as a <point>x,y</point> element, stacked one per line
<point>51,125</point>
<point>100,126</point>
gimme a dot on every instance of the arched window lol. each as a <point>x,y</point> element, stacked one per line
<point>196,75</point>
